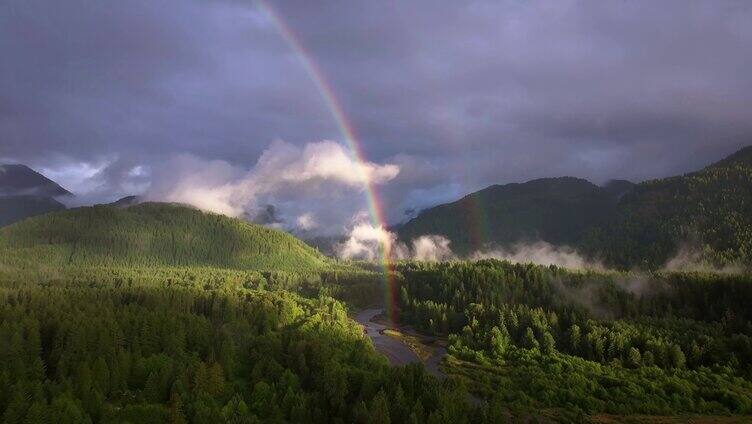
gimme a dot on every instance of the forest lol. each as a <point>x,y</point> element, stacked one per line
<point>114,349</point>
<point>706,214</point>
<point>143,315</point>
<point>535,337</point>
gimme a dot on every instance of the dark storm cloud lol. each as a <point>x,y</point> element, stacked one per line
<point>458,94</point>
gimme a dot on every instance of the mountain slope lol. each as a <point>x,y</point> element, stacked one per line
<point>17,180</point>
<point>148,235</point>
<point>557,210</point>
<point>708,212</point>
<point>16,208</point>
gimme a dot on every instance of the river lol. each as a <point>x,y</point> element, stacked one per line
<point>395,350</point>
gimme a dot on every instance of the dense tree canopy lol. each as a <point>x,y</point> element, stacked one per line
<point>186,351</point>
<point>544,337</point>
<point>149,235</point>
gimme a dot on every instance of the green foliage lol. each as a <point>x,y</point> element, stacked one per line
<point>706,216</point>
<point>151,353</point>
<point>619,343</point>
<point>558,210</point>
<point>710,211</point>
<point>151,235</point>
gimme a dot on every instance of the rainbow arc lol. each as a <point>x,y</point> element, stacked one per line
<point>349,134</point>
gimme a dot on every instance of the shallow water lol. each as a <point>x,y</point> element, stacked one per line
<point>397,352</point>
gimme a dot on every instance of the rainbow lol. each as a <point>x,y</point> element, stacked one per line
<point>476,222</point>
<point>347,130</point>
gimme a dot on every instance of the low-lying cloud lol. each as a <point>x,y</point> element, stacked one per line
<point>366,241</point>
<point>431,248</point>
<point>690,258</point>
<point>540,253</point>
<point>319,175</point>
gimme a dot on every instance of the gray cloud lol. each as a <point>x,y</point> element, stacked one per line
<point>458,94</point>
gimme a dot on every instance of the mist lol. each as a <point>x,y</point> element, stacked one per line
<point>365,241</point>
<point>690,258</point>
<point>540,253</point>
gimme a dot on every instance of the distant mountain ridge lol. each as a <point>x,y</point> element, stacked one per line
<point>558,210</point>
<point>25,193</point>
<point>707,212</point>
<point>742,157</point>
<point>20,180</point>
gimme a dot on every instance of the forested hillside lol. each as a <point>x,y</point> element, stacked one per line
<point>16,208</point>
<point>705,215</point>
<point>557,210</point>
<point>535,338</point>
<point>151,235</point>
<point>708,212</point>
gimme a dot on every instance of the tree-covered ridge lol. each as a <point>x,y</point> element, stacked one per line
<point>532,337</point>
<point>139,353</point>
<point>558,210</point>
<point>708,213</point>
<point>151,235</point>
<point>705,215</point>
<point>16,208</point>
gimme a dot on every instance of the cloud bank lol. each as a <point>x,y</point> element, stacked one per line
<point>366,241</point>
<point>322,173</point>
<point>540,253</point>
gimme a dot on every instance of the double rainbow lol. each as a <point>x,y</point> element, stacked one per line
<point>351,139</point>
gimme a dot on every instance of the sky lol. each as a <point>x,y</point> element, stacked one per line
<point>206,102</point>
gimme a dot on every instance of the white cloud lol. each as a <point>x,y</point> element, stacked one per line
<point>298,180</point>
<point>78,177</point>
<point>431,248</point>
<point>540,253</point>
<point>306,222</point>
<point>207,185</point>
<point>370,242</point>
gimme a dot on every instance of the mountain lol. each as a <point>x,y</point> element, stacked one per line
<point>152,234</point>
<point>25,193</point>
<point>126,201</point>
<point>557,210</point>
<point>324,244</point>
<point>16,208</point>
<point>17,180</point>
<point>705,214</point>
<point>616,189</point>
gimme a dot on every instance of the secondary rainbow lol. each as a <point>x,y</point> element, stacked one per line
<point>351,139</point>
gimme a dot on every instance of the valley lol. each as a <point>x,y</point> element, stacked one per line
<point>255,309</point>
<point>367,212</point>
